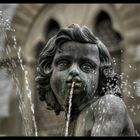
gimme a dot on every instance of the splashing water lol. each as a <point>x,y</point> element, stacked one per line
<point>69,110</point>
<point>28,91</point>
<point>4,28</point>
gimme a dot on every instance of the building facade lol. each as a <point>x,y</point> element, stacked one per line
<point>117,25</point>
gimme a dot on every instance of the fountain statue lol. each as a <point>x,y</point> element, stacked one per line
<point>75,75</point>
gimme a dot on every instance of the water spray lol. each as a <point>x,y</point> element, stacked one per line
<point>69,110</point>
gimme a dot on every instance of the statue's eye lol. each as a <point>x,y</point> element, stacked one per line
<point>62,64</point>
<point>87,67</point>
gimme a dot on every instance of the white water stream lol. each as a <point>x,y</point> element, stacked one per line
<point>69,110</point>
<point>6,29</point>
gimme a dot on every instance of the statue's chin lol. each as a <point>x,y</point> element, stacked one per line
<point>78,92</point>
<point>76,101</point>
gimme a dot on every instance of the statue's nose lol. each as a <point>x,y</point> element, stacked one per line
<point>75,79</point>
<point>74,71</point>
<point>74,75</point>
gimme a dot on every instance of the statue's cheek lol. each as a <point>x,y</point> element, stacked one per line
<point>57,79</point>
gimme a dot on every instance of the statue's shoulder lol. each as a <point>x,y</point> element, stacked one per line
<point>111,99</point>
<point>110,104</point>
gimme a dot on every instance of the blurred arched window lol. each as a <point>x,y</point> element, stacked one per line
<point>51,28</point>
<point>106,33</point>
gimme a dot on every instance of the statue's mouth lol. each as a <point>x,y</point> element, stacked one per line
<point>76,85</point>
<point>77,89</point>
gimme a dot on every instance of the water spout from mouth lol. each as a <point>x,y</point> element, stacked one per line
<point>69,110</point>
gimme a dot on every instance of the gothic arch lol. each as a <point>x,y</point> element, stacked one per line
<point>51,28</point>
<point>113,13</point>
<point>104,29</point>
<point>108,28</point>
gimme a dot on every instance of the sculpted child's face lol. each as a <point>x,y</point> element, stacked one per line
<point>77,62</point>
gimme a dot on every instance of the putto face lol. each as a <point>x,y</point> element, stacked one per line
<point>77,62</point>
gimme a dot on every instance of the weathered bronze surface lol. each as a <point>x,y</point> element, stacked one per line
<point>76,54</point>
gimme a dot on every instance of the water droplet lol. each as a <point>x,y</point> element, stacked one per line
<point>130,66</point>
<point>138,106</point>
